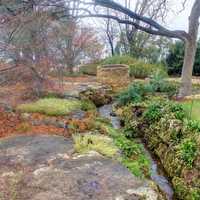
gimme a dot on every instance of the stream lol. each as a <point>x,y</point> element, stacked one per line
<point>157,173</point>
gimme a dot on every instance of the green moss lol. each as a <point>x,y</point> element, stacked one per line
<point>51,106</point>
<point>101,144</point>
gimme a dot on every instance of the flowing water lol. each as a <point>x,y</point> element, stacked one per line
<point>157,174</point>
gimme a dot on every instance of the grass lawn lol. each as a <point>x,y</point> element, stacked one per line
<point>51,106</point>
<point>192,109</point>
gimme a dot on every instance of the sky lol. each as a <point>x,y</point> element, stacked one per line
<point>176,19</point>
<point>179,20</point>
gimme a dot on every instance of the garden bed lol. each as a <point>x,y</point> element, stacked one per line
<point>169,130</point>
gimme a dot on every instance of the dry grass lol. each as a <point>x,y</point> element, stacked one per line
<point>50,106</point>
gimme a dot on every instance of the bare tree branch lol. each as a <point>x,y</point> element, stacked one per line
<point>155,28</point>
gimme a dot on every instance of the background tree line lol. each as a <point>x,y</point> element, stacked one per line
<point>175,57</point>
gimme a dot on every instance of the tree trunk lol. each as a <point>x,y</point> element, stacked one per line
<point>186,77</point>
<point>190,51</point>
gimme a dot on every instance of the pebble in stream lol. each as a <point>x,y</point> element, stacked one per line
<point>160,180</point>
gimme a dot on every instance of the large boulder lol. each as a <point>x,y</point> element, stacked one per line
<point>45,168</point>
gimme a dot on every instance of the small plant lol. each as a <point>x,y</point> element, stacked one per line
<point>134,157</point>
<point>188,151</point>
<point>87,105</point>
<point>101,144</point>
<point>193,125</point>
<point>127,147</point>
<point>135,93</point>
<point>178,110</point>
<point>154,112</point>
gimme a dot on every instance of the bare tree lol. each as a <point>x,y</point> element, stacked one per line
<point>129,17</point>
<point>154,9</point>
<point>151,26</point>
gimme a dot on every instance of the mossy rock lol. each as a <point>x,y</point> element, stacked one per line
<point>99,97</point>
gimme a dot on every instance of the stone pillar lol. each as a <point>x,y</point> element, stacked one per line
<point>116,76</point>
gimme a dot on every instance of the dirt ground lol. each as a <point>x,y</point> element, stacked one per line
<point>11,95</point>
<point>14,94</point>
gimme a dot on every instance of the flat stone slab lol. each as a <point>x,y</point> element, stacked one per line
<point>45,168</point>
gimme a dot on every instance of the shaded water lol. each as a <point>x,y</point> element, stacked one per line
<point>157,174</point>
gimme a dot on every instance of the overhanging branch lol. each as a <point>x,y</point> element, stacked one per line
<point>171,34</point>
<point>155,28</point>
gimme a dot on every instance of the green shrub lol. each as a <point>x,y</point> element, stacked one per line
<point>125,59</point>
<point>160,84</point>
<point>135,93</point>
<point>188,151</point>
<point>51,106</point>
<point>158,109</point>
<point>90,68</point>
<point>140,69</point>
<point>138,91</point>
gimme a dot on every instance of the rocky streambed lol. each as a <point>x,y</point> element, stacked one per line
<point>157,172</point>
<point>47,168</point>
<point>39,167</point>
